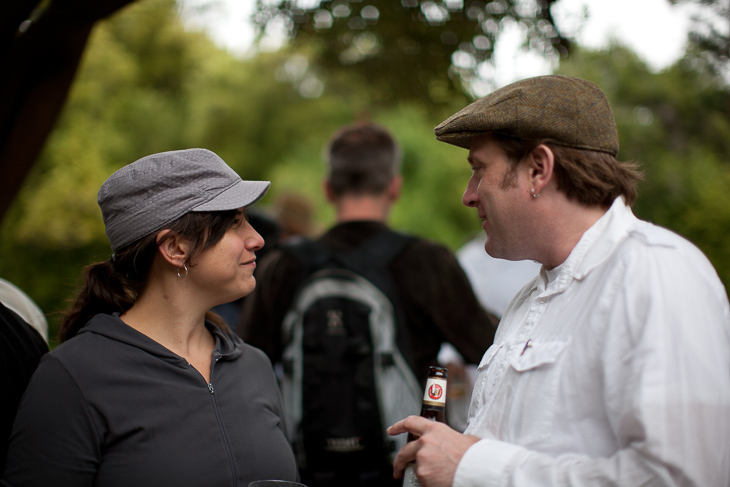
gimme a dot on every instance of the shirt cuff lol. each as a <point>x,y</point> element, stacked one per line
<point>486,464</point>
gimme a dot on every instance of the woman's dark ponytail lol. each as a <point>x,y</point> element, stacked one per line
<point>111,286</point>
<point>102,291</point>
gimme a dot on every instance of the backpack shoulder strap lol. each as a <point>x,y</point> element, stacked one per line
<point>368,259</point>
<point>376,252</point>
<point>311,254</point>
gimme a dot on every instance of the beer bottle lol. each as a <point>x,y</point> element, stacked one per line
<point>433,408</point>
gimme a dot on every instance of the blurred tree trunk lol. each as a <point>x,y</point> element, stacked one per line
<point>41,44</point>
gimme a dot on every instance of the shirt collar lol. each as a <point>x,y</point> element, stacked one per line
<point>594,247</point>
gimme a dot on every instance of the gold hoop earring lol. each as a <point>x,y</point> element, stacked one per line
<point>186,272</point>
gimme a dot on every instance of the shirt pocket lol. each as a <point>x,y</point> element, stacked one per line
<point>534,378</point>
<point>530,355</point>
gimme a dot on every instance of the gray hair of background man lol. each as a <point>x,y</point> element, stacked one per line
<point>362,158</point>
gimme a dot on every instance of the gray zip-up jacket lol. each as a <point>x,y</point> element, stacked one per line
<point>113,408</point>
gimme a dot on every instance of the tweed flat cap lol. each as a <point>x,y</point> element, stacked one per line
<point>144,196</point>
<point>572,112</point>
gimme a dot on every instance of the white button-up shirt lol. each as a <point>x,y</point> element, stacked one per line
<point>612,369</point>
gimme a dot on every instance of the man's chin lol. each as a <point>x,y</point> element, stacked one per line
<point>494,250</point>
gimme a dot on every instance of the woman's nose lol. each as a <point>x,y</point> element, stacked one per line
<point>254,241</point>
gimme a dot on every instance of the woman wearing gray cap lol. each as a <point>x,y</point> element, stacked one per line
<point>149,387</point>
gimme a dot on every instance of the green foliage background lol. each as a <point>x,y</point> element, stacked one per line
<point>148,85</point>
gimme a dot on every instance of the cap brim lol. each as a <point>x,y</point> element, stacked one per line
<point>459,139</point>
<point>240,195</point>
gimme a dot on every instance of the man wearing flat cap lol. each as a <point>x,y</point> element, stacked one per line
<point>612,367</point>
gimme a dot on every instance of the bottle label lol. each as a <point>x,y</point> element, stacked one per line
<point>409,477</point>
<point>435,394</point>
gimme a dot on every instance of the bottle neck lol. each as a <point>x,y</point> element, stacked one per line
<point>434,413</point>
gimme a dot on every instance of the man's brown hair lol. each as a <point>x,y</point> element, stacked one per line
<point>587,176</point>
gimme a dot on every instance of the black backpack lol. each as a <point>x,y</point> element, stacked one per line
<point>345,376</point>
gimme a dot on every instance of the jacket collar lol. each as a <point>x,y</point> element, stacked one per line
<point>227,346</point>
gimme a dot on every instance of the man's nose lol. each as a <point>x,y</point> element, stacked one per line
<point>470,195</point>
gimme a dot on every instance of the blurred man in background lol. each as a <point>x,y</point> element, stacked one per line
<point>431,296</point>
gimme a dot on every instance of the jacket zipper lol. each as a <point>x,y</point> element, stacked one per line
<point>222,430</point>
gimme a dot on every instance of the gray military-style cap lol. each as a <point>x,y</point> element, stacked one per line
<point>144,196</point>
<point>572,112</point>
